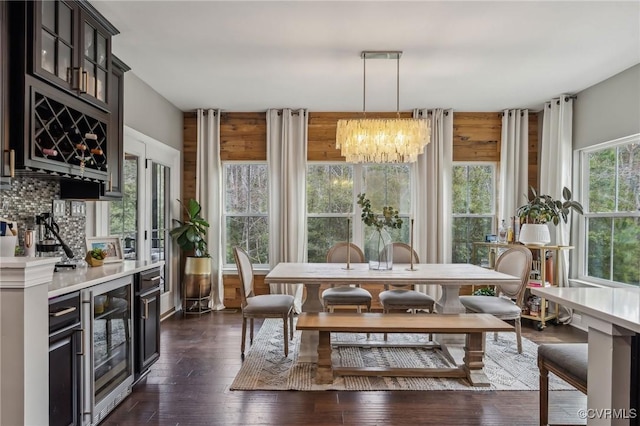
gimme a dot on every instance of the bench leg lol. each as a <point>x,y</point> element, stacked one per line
<point>324,373</point>
<point>473,359</point>
<point>544,394</point>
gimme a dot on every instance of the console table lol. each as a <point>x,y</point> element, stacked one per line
<point>544,316</point>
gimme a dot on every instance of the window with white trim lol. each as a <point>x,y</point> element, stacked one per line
<point>474,206</point>
<point>331,202</point>
<point>611,195</point>
<point>245,211</point>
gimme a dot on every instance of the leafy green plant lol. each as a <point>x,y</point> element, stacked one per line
<point>485,291</point>
<point>543,208</point>
<point>389,217</point>
<point>191,233</point>
<point>98,254</point>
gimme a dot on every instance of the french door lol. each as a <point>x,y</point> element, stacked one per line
<point>143,217</point>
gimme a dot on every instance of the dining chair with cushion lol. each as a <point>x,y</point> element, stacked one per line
<point>507,305</point>
<point>345,295</point>
<point>263,305</point>
<point>403,297</point>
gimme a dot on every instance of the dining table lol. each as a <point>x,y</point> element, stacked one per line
<point>449,276</point>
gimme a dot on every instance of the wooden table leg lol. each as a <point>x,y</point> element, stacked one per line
<point>309,338</point>
<point>324,373</point>
<point>312,302</point>
<point>473,359</point>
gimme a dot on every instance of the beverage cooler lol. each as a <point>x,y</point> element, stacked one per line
<point>107,312</point>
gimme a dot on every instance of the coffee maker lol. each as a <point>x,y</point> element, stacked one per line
<point>48,237</point>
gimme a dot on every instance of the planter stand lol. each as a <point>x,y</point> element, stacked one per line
<point>196,286</point>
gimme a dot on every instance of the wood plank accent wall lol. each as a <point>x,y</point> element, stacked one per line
<point>476,137</point>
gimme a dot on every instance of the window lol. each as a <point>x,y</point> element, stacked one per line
<point>473,206</point>
<point>329,205</point>
<point>388,185</point>
<point>331,201</point>
<point>611,186</point>
<point>159,214</point>
<point>123,214</point>
<point>246,204</point>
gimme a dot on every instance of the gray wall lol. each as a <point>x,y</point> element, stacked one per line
<point>146,111</point>
<point>608,110</point>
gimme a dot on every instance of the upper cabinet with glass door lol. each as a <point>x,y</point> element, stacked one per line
<point>72,48</point>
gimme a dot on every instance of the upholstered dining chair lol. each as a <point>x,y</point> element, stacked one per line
<point>507,305</point>
<point>263,305</point>
<point>402,297</point>
<point>345,295</point>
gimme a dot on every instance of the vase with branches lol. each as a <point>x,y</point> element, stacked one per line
<point>380,249</point>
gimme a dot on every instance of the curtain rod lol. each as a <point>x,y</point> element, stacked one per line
<point>521,113</point>
<point>446,112</point>
<point>293,113</point>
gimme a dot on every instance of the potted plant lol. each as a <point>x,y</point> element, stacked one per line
<point>190,234</point>
<point>380,250</point>
<point>542,209</point>
<point>96,256</point>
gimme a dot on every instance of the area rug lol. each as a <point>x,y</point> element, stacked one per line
<point>266,368</point>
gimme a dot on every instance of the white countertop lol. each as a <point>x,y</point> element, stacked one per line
<point>72,280</point>
<point>619,306</point>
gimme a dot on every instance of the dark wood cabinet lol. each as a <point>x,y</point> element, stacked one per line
<point>66,95</point>
<point>114,187</point>
<point>5,161</point>
<point>71,48</point>
<point>65,363</point>
<point>147,320</point>
<point>111,189</point>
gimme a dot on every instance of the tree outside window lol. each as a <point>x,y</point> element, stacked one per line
<point>329,205</point>
<point>612,212</point>
<point>331,201</point>
<point>123,214</point>
<point>246,203</point>
<point>473,207</point>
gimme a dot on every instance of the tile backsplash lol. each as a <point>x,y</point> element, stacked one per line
<point>28,197</point>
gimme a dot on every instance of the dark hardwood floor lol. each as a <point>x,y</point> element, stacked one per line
<point>189,385</point>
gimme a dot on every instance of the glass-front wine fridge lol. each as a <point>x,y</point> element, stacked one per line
<point>108,310</point>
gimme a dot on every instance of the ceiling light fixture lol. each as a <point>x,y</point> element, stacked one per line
<point>382,140</point>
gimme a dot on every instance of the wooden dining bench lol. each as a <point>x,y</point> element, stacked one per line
<point>472,325</point>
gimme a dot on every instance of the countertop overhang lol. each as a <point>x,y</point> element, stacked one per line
<point>73,280</point>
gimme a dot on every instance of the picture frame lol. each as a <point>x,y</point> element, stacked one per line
<point>112,244</point>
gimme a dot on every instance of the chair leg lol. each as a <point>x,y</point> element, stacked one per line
<point>244,335</point>
<point>385,311</point>
<point>291,325</point>
<point>285,326</point>
<point>368,310</point>
<point>519,335</point>
<point>251,331</point>
<point>544,395</point>
<point>495,336</point>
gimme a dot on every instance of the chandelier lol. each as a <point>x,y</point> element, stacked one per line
<point>382,140</point>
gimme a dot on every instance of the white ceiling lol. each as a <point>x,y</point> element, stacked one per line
<point>470,56</point>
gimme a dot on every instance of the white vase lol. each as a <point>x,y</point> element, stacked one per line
<point>535,234</point>
<point>380,251</point>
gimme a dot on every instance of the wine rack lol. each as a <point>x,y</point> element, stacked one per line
<point>66,136</point>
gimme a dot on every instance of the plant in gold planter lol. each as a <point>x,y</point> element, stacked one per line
<point>190,234</point>
<point>96,256</point>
